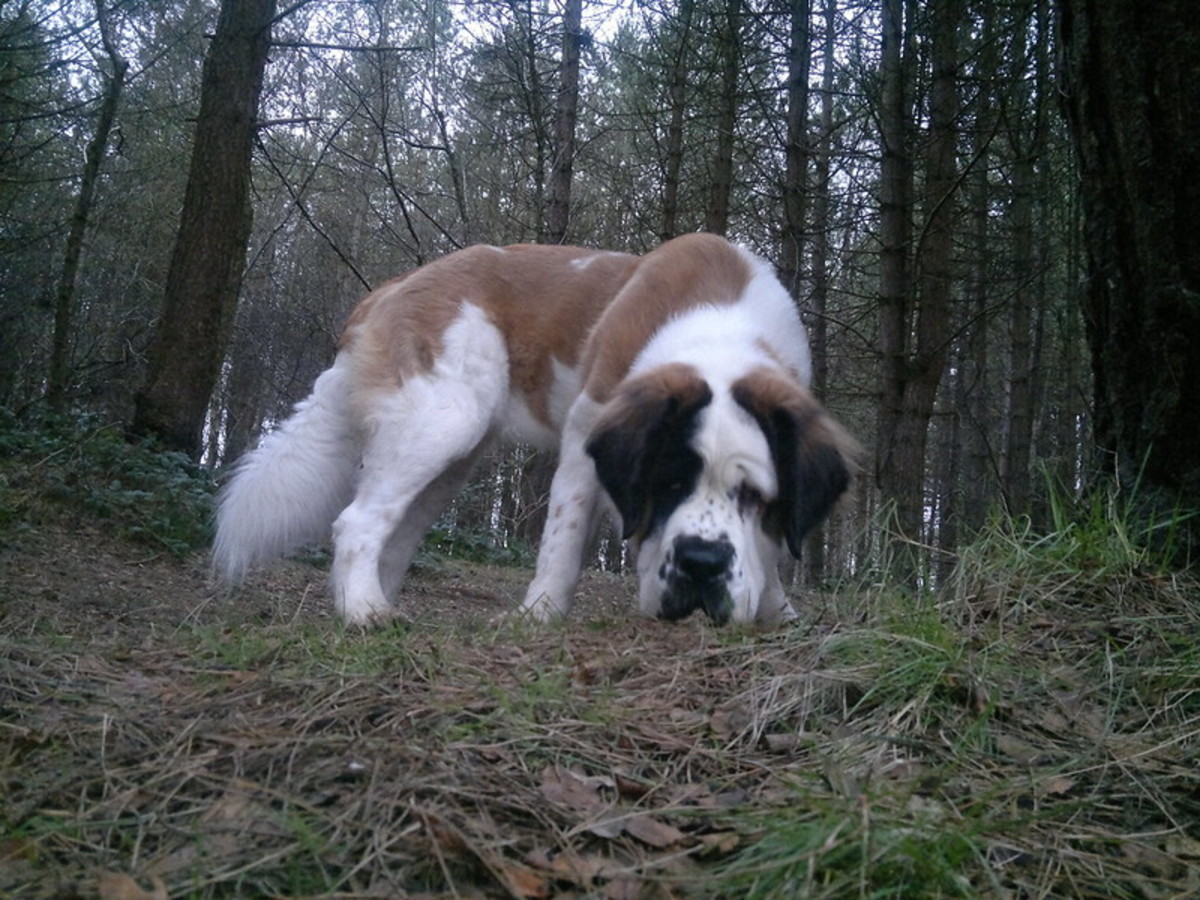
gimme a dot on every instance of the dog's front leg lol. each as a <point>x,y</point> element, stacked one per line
<point>573,497</point>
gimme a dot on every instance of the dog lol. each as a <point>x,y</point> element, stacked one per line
<point>674,386</point>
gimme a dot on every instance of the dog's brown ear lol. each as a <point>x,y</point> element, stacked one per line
<point>814,457</point>
<point>641,445</point>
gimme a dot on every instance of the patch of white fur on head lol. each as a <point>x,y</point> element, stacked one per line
<point>774,313</point>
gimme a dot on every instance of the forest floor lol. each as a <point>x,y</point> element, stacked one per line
<point>1022,738</point>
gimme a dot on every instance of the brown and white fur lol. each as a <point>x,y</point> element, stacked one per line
<point>673,386</point>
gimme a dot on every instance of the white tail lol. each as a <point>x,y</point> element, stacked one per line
<point>288,490</point>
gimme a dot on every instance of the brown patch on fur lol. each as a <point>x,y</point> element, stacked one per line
<point>544,299</point>
<point>689,271</point>
<point>815,459</point>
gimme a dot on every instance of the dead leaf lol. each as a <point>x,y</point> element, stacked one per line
<point>631,788</point>
<point>730,721</point>
<point>574,790</point>
<point>607,826</point>
<point>651,831</point>
<point>719,843</point>
<point>1017,749</point>
<point>623,887</point>
<point>1057,786</point>
<point>521,880</point>
<point>779,742</point>
<point>567,866</point>
<point>119,886</point>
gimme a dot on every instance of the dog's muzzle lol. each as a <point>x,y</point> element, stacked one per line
<point>699,579</point>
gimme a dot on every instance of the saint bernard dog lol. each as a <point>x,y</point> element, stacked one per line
<point>673,386</point>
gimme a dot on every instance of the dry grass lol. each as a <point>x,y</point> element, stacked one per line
<point>1030,731</point>
<point>1024,736</point>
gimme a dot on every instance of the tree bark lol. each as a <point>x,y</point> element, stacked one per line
<point>895,235</point>
<point>1026,312</point>
<point>814,561</point>
<point>205,272</point>
<point>796,150</point>
<point>59,381</point>
<point>1131,95</point>
<point>912,377</point>
<point>677,99</point>
<point>558,210</point>
<point>716,220</point>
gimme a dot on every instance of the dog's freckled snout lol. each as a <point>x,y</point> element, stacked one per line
<point>702,560</point>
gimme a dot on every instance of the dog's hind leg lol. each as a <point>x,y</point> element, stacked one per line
<point>424,511</point>
<point>421,440</point>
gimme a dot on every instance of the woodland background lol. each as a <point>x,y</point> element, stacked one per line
<point>907,166</point>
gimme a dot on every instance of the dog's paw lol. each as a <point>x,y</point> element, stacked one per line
<point>529,615</point>
<point>369,617</point>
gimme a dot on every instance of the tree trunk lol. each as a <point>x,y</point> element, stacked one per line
<point>814,561</point>
<point>558,210</point>
<point>895,236</point>
<point>912,378</point>
<point>205,272</point>
<point>716,220</point>
<point>677,98</point>
<point>1131,94</point>
<point>796,150</point>
<point>1026,139</point>
<point>59,380</point>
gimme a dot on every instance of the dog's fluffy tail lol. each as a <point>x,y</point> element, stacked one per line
<point>288,491</point>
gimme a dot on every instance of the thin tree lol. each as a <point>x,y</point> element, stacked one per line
<point>59,380</point>
<point>558,209</point>
<point>716,218</point>
<point>818,298</point>
<point>796,149</point>
<point>1026,312</point>
<point>205,272</point>
<point>915,321</point>
<point>676,103</point>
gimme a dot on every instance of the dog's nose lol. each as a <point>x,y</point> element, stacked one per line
<point>702,560</point>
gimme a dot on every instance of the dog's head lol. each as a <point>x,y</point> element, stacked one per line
<point>710,479</point>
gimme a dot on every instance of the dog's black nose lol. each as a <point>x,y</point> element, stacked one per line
<point>702,560</point>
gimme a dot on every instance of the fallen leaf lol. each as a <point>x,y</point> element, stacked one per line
<point>1057,785</point>
<point>778,742</point>
<point>631,788</point>
<point>521,880</point>
<point>651,831</point>
<point>623,887</point>
<point>574,790</point>
<point>719,843</point>
<point>607,826</point>
<point>567,866</point>
<point>119,886</point>
<point>1017,749</point>
<point>730,720</point>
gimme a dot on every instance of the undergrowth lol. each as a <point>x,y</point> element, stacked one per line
<point>54,464</point>
<point>80,466</point>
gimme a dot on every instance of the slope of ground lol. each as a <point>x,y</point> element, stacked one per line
<point>1031,731</point>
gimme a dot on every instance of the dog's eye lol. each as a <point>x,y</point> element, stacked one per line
<point>749,497</point>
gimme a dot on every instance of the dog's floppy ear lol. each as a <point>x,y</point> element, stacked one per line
<point>814,457</point>
<point>641,443</point>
